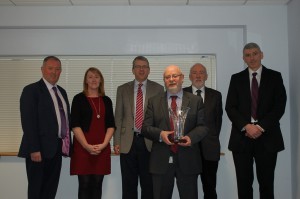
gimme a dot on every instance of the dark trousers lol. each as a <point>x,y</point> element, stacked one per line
<point>43,177</point>
<point>265,167</point>
<point>163,184</point>
<point>135,167</point>
<point>209,178</point>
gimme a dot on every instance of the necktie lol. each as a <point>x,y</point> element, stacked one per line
<point>64,128</point>
<point>139,113</point>
<point>199,94</point>
<point>254,95</point>
<point>174,148</point>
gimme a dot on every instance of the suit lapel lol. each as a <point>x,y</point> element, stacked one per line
<point>163,103</point>
<point>185,100</point>
<point>130,91</point>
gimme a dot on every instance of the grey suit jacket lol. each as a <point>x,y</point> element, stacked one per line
<point>157,120</point>
<point>213,112</point>
<point>124,113</point>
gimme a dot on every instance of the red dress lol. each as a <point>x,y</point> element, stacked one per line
<point>83,163</point>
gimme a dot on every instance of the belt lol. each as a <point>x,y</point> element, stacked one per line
<point>137,134</point>
<point>254,123</point>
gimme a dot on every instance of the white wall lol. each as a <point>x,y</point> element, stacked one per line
<point>151,30</point>
<point>294,42</point>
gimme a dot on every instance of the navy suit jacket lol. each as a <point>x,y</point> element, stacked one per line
<point>39,121</point>
<point>213,112</point>
<point>157,119</point>
<point>271,107</point>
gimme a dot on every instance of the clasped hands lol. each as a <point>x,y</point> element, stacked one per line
<point>95,149</point>
<point>165,138</point>
<point>253,131</point>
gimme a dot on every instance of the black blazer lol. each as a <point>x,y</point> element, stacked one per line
<point>81,112</point>
<point>213,112</point>
<point>271,107</point>
<point>157,119</point>
<point>39,121</point>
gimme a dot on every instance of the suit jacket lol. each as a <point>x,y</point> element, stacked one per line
<point>39,121</point>
<point>270,108</point>
<point>157,119</point>
<point>124,113</point>
<point>213,112</point>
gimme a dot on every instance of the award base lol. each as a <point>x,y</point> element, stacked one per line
<point>177,140</point>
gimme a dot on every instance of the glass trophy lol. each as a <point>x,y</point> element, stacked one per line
<point>178,120</point>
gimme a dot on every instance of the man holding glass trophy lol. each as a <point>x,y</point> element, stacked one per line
<point>174,122</point>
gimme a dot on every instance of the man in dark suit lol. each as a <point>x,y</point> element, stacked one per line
<point>210,145</point>
<point>255,103</point>
<point>169,160</point>
<point>133,148</point>
<point>43,127</point>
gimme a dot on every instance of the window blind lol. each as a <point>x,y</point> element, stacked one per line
<point>17,72</point>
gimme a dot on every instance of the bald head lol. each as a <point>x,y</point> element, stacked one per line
<point>173,79</point>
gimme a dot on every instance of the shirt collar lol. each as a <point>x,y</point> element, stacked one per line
<point>49,86</point>
<point>136,83</point>
<point>194,89</point>
<point>179,94</point>
<point>258,71</point>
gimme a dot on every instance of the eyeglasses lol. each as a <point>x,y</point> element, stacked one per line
<point>141,67</point>
<point>174,76</point>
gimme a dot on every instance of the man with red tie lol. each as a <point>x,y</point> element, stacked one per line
<point>169,160</point>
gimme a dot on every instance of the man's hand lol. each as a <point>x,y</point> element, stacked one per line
<point>165,137</point>
<point>117,149</point>
<point>253,131</point>
<point>186,141</point>
<point>36,156</point>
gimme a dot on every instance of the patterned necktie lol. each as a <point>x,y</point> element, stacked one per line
<point>174,147</point>
<point>139,113</point>
<point>254,96</point>
<point>64,128</point>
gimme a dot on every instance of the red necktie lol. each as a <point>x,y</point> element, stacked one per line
<point>254,96</point>
<point>174,148</point>
<point>139,113</point>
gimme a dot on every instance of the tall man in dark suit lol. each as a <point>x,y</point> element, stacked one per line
<point>255,103</point>
<point>169,160</point>
<point>210,145</point>
<point>133,148</point>
<point>44,127</point>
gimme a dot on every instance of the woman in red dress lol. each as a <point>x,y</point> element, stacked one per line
<point>93,124</point>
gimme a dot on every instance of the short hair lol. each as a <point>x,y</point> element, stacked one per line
<point>251,46</point>
<point>101,90</point>
<point>142,58</point>
<point>51,57</point>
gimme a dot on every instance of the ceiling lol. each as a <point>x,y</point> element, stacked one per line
<point>139,2</point>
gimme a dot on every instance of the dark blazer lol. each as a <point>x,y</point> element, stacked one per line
<point>82,112</point>
<point>39,121</point>
<point>213,112</point>
<point>157,119</point>
<point>271,107</point>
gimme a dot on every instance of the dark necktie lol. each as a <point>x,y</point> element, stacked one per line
<point>174,148</point>
<point>254,95</point>
<point>64,128</point>
<point>199,94</point>
<point>139,113</point>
